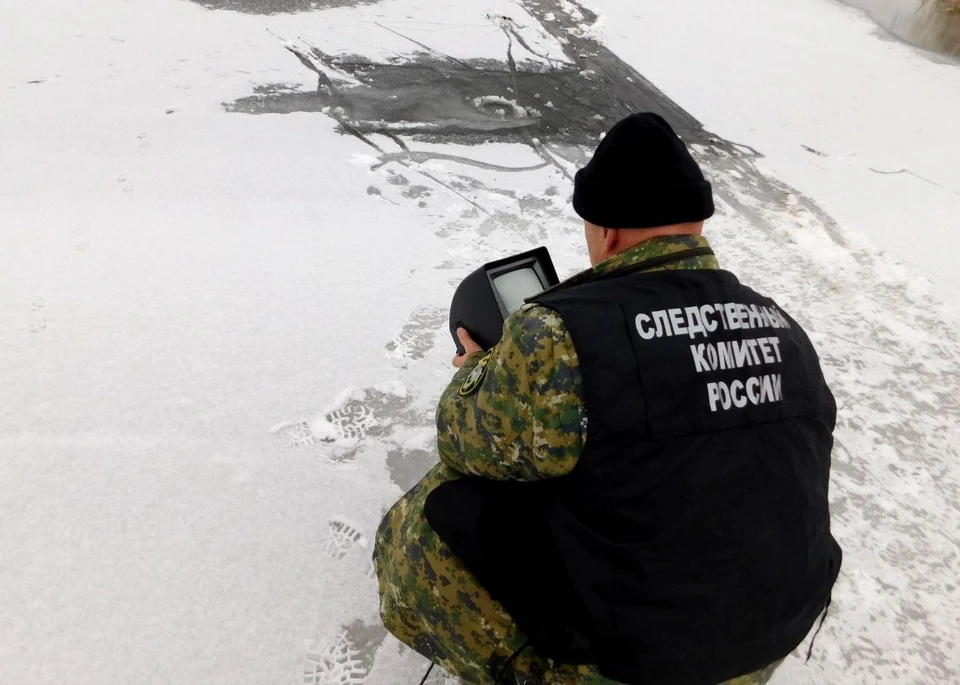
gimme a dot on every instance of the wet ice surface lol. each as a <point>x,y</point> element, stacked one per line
<point>218,408</point>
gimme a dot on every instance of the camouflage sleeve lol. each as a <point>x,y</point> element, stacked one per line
<point>516,413</point>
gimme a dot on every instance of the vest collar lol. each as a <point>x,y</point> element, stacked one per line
<point>656,254</point>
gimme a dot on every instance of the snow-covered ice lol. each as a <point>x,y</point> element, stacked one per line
<point>223,335</point>
<point>858,122</point>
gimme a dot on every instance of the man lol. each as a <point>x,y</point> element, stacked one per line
<point>633,482</point>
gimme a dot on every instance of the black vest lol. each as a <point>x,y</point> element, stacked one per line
<point>691,544</point>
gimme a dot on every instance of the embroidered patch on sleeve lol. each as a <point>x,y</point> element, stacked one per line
<point>473,382</point>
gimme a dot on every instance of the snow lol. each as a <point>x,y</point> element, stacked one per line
<point>224,335</point>
<point>876,114</point>
<point>395,28</point>
<point>504,105</point>
<point>192,279</point>
<point>305,53</point>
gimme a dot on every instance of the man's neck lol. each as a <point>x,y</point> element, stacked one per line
<point>652,248</point>
<point>633,237</point>
<point>672,252</point>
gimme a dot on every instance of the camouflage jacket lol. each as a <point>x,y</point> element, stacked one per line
<point>520,416</point>
<point>525,421</point>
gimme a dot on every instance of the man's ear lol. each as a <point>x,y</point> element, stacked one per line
<point>611,240</point>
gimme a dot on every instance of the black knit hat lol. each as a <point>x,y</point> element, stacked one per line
<point>642,176</point>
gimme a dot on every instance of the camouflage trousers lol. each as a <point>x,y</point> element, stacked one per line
<point>434,605</point>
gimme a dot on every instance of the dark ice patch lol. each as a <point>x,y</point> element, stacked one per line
<point>436,97</point>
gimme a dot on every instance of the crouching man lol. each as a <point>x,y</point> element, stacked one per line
<point>633,482</point>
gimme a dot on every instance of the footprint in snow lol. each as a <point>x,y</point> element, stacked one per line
<point>352,421</point>
<point>345,658</point>
<point>343,538</point>
<point>396,179</point>
<point>336,435</point>
<point>417,336</point>
<point>333,661</point>
<point>399,189</point>
<point>296,435</point>
<point>417,192</point>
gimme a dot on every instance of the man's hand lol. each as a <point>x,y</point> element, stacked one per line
<point>469,346</point>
